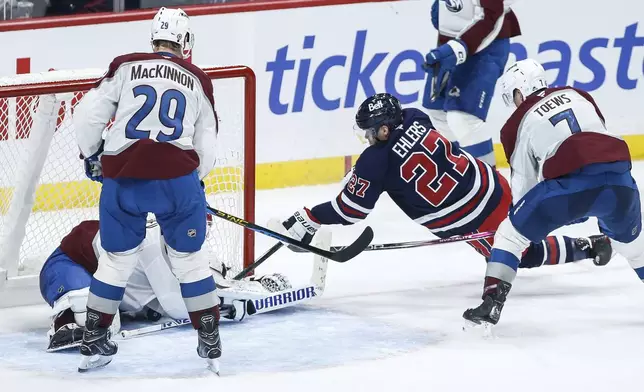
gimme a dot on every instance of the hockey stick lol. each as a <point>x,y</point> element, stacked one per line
<point>342,255</point>
<point>416,244</point>
<point>132,333</point>
<point>127,334</point>
<point>258,262</point>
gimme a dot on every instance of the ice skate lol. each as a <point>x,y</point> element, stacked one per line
<point>598,246</point>
<point>96,349</point>
<point>209,346</point>
<point>489,312</point>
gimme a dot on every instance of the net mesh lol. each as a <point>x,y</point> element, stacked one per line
<point>63,196</point>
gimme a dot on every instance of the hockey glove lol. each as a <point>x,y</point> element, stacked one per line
<point>448,55</point>
<point>302,226</point>
<point>93,167</point>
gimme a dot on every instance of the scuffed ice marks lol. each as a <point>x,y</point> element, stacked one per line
<point>290,340</point>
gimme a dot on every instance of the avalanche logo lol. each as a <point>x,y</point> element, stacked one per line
<point>454,5</point>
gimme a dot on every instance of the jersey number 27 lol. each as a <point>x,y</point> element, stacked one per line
<point>173,121</point>
<point>435,192</point>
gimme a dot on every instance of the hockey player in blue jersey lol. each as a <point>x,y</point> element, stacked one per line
<point>435,183</point>
<point>474,44</point>
<point>566,166</point>
<point>161,144</point>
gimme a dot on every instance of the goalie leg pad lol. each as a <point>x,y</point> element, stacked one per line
<point>60,275</point>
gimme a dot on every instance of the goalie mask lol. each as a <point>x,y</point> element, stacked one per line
<point>173,25</point>
<point>527,76</point>
<point>376,111</point>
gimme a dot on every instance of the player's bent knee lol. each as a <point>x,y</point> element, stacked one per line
<point>509,239</point>
<point>189,266</point>
<point>115,268</point>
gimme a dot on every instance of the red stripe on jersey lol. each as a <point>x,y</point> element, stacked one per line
<point>469,207</point>
<point>348,210</point>
<point>481,248</point>
<point>310,215</point>
<point>493,221</point>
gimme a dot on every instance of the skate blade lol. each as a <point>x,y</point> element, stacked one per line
<point>93,362</point>
<point>53,349</point>
<point>213,365</point>
<point>483,329</point>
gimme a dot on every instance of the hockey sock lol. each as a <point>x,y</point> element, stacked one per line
<point>553,250</point>
<point>104,319</point>
<point>64,318</point>
<point>195,316</point>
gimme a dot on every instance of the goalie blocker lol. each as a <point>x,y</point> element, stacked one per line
<point>153,293</point>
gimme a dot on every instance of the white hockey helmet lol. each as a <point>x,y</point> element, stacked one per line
<point>173,25</point>
<point>527,76</point>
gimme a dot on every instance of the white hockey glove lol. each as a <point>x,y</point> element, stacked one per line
<point>273,282</point>
<point>302,226</point>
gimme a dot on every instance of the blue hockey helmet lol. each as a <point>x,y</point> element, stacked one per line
<point>378,110</point>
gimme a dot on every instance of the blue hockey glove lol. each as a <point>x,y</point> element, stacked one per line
<point>93,167</point>
<point>448,55</point>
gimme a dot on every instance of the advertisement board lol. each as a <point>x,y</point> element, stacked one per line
<point>315,65</point>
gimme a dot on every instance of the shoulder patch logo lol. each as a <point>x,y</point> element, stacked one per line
<point>454,5</point>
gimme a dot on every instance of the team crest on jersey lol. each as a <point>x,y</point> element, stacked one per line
<point>376,106</point>
<point>454,5</point>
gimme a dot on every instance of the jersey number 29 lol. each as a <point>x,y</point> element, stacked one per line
<point>174,121</point>
<point>434,192</point>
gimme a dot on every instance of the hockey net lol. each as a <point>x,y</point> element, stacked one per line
<point>43,189</point>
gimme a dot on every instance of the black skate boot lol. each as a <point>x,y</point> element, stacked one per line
<point>209,346</point>
<point>97,349</point>
<point>598,247</point>
<point>489,312</point>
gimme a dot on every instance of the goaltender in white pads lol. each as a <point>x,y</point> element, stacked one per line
<point>153,292</point>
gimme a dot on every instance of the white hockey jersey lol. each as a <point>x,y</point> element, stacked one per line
<point>476,22</point>
<point>165,124</point>
<point>556,132</point>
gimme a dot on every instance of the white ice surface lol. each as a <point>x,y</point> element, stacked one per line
<point>388,321</point>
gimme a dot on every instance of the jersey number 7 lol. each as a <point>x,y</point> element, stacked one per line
<point>174,121</point>
<point>434,192</point>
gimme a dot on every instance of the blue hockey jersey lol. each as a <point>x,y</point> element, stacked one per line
<point>431,179</point>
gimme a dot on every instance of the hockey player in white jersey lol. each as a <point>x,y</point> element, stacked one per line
<point>565,166</point>
<point>151,160</point>
<point>473,48</point>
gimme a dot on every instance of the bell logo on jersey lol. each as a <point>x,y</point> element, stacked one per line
<point>454,5</point>
<point>375,106</point>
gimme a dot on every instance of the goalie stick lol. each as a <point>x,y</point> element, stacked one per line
<point>341,256</point>
<point>416,244</point>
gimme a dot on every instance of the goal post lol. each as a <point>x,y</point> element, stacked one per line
<point>44,192</point>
